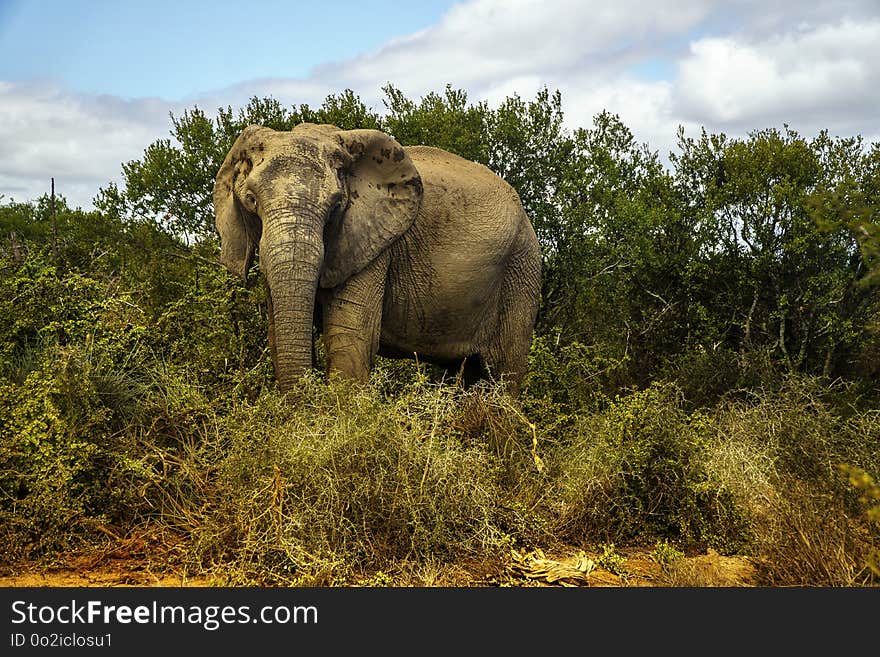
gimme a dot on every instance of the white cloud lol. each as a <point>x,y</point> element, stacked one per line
<point>79,140</point>
<point>286,91</point>
<point>485,44</point>
<point>644,107</point>
<point>822,76</point>
<point>730,67</point>
<point>526,86</point>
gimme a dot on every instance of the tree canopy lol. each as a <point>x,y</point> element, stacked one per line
<point>765,245</point>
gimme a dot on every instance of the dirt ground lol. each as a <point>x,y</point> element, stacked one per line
<point>571,568</point>
<point>81,572</point>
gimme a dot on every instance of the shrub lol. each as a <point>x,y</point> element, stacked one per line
<point>870,496</point>
<point>806,538</point>
<point>342,482</point>
<point>778,457</point>
<point>63,464</point>
<point>562,379</point>
<point>636,471</point>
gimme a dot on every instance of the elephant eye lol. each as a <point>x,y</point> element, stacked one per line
<point>251,201</point>
<point>340,175</point>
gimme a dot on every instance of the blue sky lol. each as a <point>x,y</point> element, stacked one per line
<point>87,85</point>
<point>177,49</point>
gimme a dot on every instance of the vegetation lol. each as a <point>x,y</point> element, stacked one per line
<point>703,373</point>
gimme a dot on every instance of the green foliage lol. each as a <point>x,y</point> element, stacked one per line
<point>619,250</point>
<point>530,148</point>
<point>706,355</point>
<point>611,560</point>
<point>62,457</point>
<point>75,239</point>
<point>870,496</point>
<point>41,310</point>
<point>806,428</point>
<point>636,471</point>
<point>665,553</point>
<point>445,121</point>
<point>788,266</point>
<point>94,345</point>
<point>45,466</point>
<point>777,456</point>
<point>216,327</point>
<point>566,378</point>
<point>346,111</point>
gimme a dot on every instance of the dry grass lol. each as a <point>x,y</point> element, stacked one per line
<point>340,482</point>
<point>408,482</point>
<point>808,539</point>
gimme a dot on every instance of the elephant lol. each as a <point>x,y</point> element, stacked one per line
<point>388,250</point>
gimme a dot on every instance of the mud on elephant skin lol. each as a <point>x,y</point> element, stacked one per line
<point>403,251</point>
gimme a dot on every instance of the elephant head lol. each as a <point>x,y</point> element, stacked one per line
<point>321,204</point>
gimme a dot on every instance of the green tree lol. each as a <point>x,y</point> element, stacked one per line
<point>445,121</point>
<point>530,148</point>
<point>346,111</point>
<point>850,199</point>
<point>784,265</point>
<point>173,183</point>
<point>619,250</point>
<point>74,238</point>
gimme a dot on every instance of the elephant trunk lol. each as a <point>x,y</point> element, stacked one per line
<point>291,256</point>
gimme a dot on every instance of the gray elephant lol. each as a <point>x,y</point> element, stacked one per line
<point>404,252</point>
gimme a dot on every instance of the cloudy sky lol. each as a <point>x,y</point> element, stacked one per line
<point>86,85</point>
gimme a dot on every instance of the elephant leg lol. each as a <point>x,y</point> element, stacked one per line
<point>352,318</point>
<point>471,370</point>
<point>507,353</point>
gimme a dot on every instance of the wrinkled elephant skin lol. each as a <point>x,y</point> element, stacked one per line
<point>405,252</point>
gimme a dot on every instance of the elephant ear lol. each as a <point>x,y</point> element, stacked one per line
<point>239,230</point>
<point>384,194</point>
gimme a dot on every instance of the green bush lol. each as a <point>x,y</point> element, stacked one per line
<point>635,471</point>
<point>778,455</point>
<point>804,430</point>
<point>709,377</point>
<point>565,381</point>
<point>218,329</point>
<point>64,467</point>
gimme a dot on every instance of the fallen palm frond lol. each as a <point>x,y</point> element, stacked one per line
<point>535,565</point>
